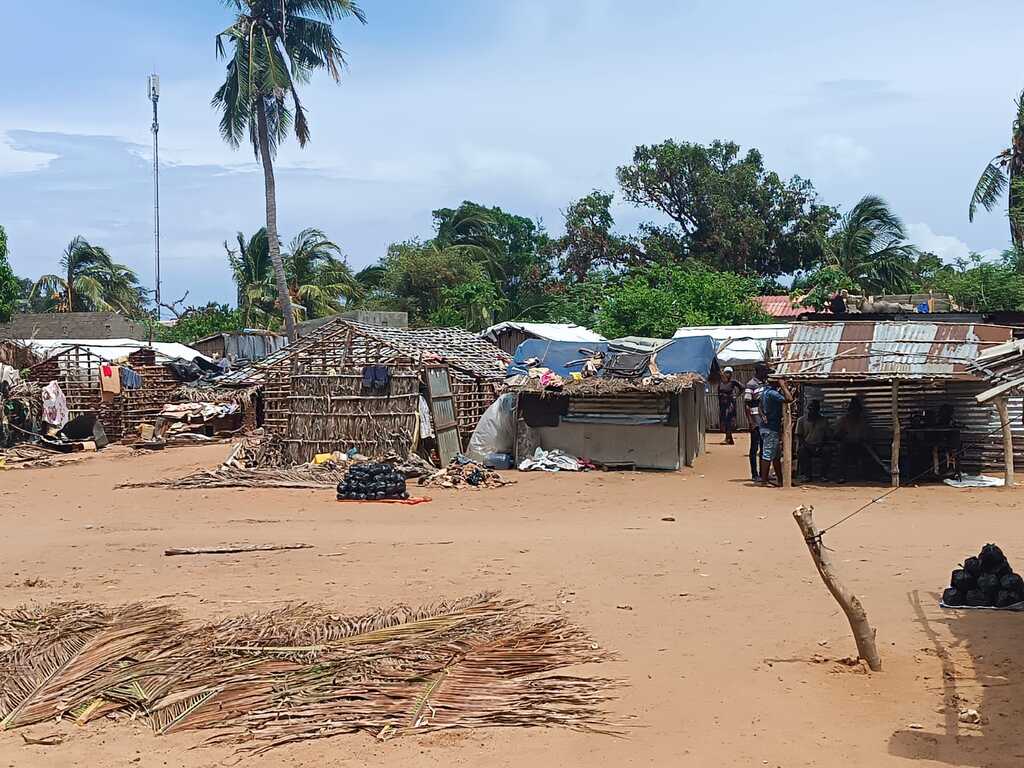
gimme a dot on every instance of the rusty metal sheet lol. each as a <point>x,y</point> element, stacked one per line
<point>886,350</point>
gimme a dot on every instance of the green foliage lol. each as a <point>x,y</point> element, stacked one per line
<point>90,281</point>
<point>319,280</point>
<point>199,322</point>
<point>869,247</point>
<point>471,305</point>
<point>656,301</point>
<point>980,286</point>
<point>418,278</point>
<point>729,211</point>
<point>588,242</point>
<point>509,249</point>
<point>10,287</point>
<point>1005,173</point>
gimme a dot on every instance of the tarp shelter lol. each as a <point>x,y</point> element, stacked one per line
<point>241,347</point>
<point>645,422</point>
<point>510,335</point>
<point>900,371</point>
<point>740,347</point>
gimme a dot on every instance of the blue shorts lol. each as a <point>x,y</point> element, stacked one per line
<point>771,444</point>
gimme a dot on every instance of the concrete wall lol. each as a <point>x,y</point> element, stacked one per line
<point>72,325</point>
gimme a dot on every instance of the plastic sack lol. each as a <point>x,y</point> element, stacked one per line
<point>496,432</point>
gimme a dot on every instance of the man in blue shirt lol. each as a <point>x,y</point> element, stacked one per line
<point>775,397</point>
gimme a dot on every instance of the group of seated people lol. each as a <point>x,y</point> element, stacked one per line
<point>846,449</point>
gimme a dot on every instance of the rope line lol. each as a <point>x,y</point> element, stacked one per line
<point>816,539</point>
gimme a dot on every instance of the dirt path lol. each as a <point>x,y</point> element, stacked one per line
<point>724,615</point>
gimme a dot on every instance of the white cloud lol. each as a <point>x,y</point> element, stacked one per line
<point>949,248</point>
<point>14,160</point>
<point>835,154</point>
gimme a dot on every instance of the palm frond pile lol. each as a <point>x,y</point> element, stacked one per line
<point>301,672</point>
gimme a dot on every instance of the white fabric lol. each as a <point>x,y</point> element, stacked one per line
<point>550,461</point>
<point>546,331</point>
<point>112,349</point>
<point>975,481</point>
<point>426,424</point>
<point>496,431</point>
<point>739,344</point>
<point>9,375</point>
<point>55,405</point>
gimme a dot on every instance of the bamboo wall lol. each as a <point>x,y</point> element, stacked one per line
<point>332,412</point>
<point>77,372</point>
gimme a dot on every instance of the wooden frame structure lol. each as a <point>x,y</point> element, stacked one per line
<point>300,380</point>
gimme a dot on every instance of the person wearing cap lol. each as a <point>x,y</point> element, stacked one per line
<point>728,389</point>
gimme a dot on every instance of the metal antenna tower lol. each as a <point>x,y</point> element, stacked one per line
<point>153,87</point>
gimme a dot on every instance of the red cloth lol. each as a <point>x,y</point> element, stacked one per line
<point>411,500</point>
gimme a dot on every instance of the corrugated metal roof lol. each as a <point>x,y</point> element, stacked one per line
<point>548,331</point>
<point>740,344</point>
<point>886,350</point>
<point>779,306</point>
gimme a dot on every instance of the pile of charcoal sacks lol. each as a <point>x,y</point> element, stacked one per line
<point>372,482</point>
<point>985,581</point>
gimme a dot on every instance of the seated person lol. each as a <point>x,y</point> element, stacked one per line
<point>854,436</point>
<point>814,432</point>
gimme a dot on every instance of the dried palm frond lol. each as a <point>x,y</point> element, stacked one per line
<point>301,672</point>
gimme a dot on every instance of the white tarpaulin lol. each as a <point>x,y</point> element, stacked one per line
<point>740,344</point>
<point>112,349</point>
<point>546,331</point>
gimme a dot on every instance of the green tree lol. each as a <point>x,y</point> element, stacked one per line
<point>588,242</point>
<point>471,305</point>
<point>10,287</point>
<point>275,46</point>
<point>728,210</point>
<point>980,286</point>
<point>252,273</point>
<point>90,281</point>
<point>320,282</point>
<point>869,246</point>
<point>1005,172</point>
<point>417,275</point>
<point>656,301</point>
<point>199,322</point>
<point>507,246</point>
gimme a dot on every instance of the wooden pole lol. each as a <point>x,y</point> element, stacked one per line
<point>787,445</point>
<point>894,467</point>
<point>863,632</point>
<point>1004,420</point>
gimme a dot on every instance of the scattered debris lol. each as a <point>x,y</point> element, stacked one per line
<point>228,550</point>
<point>624,607</point>
<point>668,519</point>
<point>44,741</point>
<point>462,473</point>
<point>970,716</point>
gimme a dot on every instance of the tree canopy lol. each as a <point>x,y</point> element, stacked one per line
<point>10,286</point>
<point>728,210</point>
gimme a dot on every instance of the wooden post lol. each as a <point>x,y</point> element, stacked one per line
<point>863,632</point>
<point>894,466</point>
<point>787,445</point>
<point>1004,420</point>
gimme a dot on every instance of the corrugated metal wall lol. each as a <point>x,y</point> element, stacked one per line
<point>981,436</point>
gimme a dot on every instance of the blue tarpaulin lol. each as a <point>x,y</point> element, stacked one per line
<point>694,354</point>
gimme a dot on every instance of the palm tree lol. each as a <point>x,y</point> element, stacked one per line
<point>90,281</point>
<point>318,277</point>
<point>1005,172</point>
<point>276,45</point>
<point>253,275</point>
<point>870,247</point>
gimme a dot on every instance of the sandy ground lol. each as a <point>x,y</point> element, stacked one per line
<point>724,640</point>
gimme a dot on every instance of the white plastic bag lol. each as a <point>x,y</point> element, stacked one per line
<point>496,432</point>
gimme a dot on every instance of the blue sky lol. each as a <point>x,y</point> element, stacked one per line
<point>527,105</point>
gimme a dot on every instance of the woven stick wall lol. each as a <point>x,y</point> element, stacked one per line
<point>77,372</point>
<point>333,412</point>
<point>143,405</point>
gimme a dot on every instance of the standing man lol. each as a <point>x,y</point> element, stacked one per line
<point>813,431</point>
<point>728,389</point>
<point>752,405</point>
<point>775,397</point>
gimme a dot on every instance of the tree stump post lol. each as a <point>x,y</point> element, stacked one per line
<point>863,632</point>
<point>897,433</point>
<point>787,445</point>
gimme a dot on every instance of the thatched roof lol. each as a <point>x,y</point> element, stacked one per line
<point>598,385</point>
